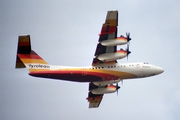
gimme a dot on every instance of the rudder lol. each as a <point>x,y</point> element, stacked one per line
<point>24,47</point>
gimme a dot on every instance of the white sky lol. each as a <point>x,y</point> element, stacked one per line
<point>65,32</point>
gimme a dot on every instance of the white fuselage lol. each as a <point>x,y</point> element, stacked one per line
<point>139,69</point>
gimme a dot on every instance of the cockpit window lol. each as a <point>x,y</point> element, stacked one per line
<point>145,63</point>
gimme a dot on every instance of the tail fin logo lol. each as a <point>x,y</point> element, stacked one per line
<point>38,66</point>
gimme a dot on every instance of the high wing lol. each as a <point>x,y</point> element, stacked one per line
<point>108,31</point>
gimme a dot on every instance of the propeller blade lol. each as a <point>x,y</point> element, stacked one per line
<point>127,50</point>
<point>128,36</point>
<point>117,87</point>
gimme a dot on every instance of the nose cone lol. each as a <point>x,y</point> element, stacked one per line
<point>159,70</point>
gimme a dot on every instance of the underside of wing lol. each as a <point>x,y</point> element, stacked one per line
<point>108,32</point>
<point>106,53</point>
<point>94,99</point>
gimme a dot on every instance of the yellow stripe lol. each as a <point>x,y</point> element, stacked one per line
<point>111,22</point>
<point>96,100</point>
<point>24,38</point>
<point>121,75</point>
<point>34,61</point>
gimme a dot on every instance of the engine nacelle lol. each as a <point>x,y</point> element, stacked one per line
<point>112,56</point>
<point>114,42</point>
<point>105,90</point>
<point>104,83</point>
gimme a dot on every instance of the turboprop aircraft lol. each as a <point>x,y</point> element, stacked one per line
<point>104,72</point>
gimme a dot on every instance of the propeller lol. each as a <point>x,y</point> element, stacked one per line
<point>128,36</point>
<point>127,50</point>
<point>117,87</point>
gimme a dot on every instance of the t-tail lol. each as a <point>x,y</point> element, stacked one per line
<point>27,57</point>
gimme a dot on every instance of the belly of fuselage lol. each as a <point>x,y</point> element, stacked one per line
<point>67,76</point>
<point>83,75</point>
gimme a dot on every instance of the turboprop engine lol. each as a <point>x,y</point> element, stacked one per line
<point>117,41</point>
<point>113,56</point>
<point>104,83</point>
<point>105,89</point>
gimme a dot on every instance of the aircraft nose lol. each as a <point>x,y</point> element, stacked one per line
<point>159,70</point>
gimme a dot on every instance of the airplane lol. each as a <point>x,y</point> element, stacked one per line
<point>104,73</point>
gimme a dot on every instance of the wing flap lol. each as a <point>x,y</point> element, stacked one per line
<point>94,100</point>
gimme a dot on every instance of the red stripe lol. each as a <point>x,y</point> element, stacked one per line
<point>23,44</point>
<point>122,37</point>
<point>59,72</point>
<point>111,29</point>
<point>121,51</point>
<point>92,98</point>
<point>29,56</point>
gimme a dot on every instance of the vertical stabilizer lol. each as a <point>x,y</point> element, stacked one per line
<point>27,57</point>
